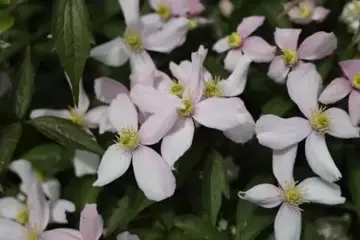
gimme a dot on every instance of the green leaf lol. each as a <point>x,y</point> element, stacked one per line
<point>49,158</point>
<point>278,106</point>
<point>354,182</point>
<point>150,234</point>
<point>255,225</point>
<point>5,2</point>
<point>66,133</point>
<point>9,138</point>
<point>6,22</point>
<point>25,85</point>
<point>177,234</point>
<point>72,36</point>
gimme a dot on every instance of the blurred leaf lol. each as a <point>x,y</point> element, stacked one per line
<point>9,138</point>
<point>278,105</point>
<point>5,2</point>
<point>6,22</point>
<point>255,225</point>
<point>66,133</point>
<point>354,182</point>
<point>72,36</point>
<point>177,234</point>
<point>25,85</point>
<point>326,66</point>
<point>150,234</point>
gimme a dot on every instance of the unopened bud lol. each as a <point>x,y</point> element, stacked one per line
<point>226,7</point>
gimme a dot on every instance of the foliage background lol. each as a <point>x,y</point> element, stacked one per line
<point>203,196</point>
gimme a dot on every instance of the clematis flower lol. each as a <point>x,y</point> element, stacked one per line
<point>152,174</point>
<point>340,87</point>
<point>127,236</point>
<point>38,219</point>
<point>306,11</point>
<point>304,84</point>
<point>226,7</point>
<point>174,115</point>
<point>350,15</point>
<point>241,42</point>
<point>138,38</point>
<point>290,195</point>
<point>315,47</point>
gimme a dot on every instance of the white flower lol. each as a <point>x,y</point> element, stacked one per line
<point>291,195</point>
<point>127,236</point>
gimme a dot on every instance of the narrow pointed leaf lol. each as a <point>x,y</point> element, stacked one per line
<point>9,138</point>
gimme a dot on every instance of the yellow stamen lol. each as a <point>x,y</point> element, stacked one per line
<point>187,109</point>
<point>177,89</point>
<point>76,117</point>
<point>293,195</point>
<point>290,56</point>
<point>305,11</point>
<point>355,81</point>
<point>33,236</point>
<point>320,120</point>
<point>193,23</point>
<point>235,40</point>
<point>164,11</point>
<point>134,41</point>
<point>40,176</point>
<point>211,88</point>
<point>23,216</point>
<point>129,138</point>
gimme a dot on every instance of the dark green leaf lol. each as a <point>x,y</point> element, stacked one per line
<point>6,22</point>
<point>354,183</point>
<point>177,234</point>
<point>66,133</point>
<point>9,138</point>
<point>255,225</point>
<point>278,105</point>
<point>150,234</point>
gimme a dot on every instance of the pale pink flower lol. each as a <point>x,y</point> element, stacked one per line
<point>241,42</point>
<point>152,173</point>
<point>127,236</point>
<point>306,11</point>
<point>342,86</point>
<point>315,47</point>
<point>290,195</point>
<point>304,84</point>
<point>226,7</point>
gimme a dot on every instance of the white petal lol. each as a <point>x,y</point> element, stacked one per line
<point>58,210</point>
<point>178,140</point>
<point>221,45</point>
<point>141,63</point>
<point>93,116</point>
<point>340,124</point>
<point>52,188</point>
<point>152,22</point>
<point>83,102</point>
<point>10,230</point>
<point>106,89</point>
<point>231,59</point>
<point>130,10</point>
<point>181,71</point>
<point>304,84</point>
<point>335,91</point>
<point>113,165</point>
<point>265,195</point>
<point>73,232</point>
<point>242,132</point>
<point>63,113</point>
<point>105,125</point>
<point>112,53</point>
<point>153,174</point>
<point>278,70</point>
<point>283,165</point>
<point>163,82</point>
<point>288,223</point>
<point>319,191</point>
<point>258,49</point>
<point>127,236</point>
<point>122,113</point>
<point>10,207</point>
<point>319,158</point>
<point>23,169</point>
<point>85,162</point>
<point>278,133</point>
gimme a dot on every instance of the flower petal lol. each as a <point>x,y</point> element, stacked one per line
<point>10,207</point>
<point>283,165</point>
<point>24,170</point>
<point>231,59</point>
<point>265,195</point>
<point>152,22</point>
<point>350,68</point>
<point>57,234</point>
<point>63,113</point>
<point>249,24</point>
<point>85,162</point>
<point>320,13</point>
<point>112,53</point>
<point>244,131</point>
<point>52,188</point>
<point>130,10</point>
<point>340,124</point>
<point>278,133</point>
<point>335,91</point>
<point>58,210</point>
<point>84,102</point>
<point>181,71</point>
<point>278,70</point>
<point>222,45</point>
<point>93,116</point>
<point>178,140</point>
<point>162,82</point>
<point>354,107</point>
<point>287,38</point>
<point>106,89</point>
<point>113,165</point>
<point>319,158</point>
<point>122,113</point>
<point>91,223</point>
<point>296,17</point>
<point>141,63</point>
<point>318,46</point>
<point>304,84</point>
<point>319,191</point>
<point>258,49</point>
<point>105,125</point>
<point>153,174</point>
<point>288,223</point>
<point>127,236</point>
<point>10,230</point>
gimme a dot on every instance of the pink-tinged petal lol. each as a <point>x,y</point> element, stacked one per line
<point>163,82</point>
<point>122,113</point>
<point>180,71</point>
<point>354,107</point>
<point>249,24</point>
<point>114,163</point>
<point>153,174</point>
<point>152,22</point>
<point>91,223</point>
<point>304,84</point>
<point>307,3</point>
<point>242,132</point>
<point>105,125</point>
<point>113,53</point>
<point>278,133</point>
<point>84,102</point>
<point>73,232</point>
<point>295,16</point>
<point>52,188</point>
<point>319,191</point>
<point>287,223</point>
<point>195,7</point>
<point>318,46</point>
<point>178,140</point>
<point>10,230</point>
<point>320,13</point>
<point>283,165</point>
<point>231,59</point>
<point>319,158</point>
<point>10,207</point>
<point>58,210</point>
<point>157,126</point>
<point>218,113</point>
<point>350,68</point>
<point>278,70</point>
<point>106,89</point>
<point>221,45</point>
<point>341,125</point>
<point>287,38</point>
<point>235,83</point>
<point>93,116</point>
<point>85,162</point>
<point>58,234</point>
<point>127,236</point>
<point>258,49</point>
<point>141,65</point>
<point>265,195</point>
<point>130,10</point>
<point>63,113</point>
<point>335,91</point>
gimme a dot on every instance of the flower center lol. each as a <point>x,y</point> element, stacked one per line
<point>293,195</point>
<point>177,89</point>
<point>77,118</point>
<point>23,216</point>
<point>134,41</point>
<point>129,138</point>
<point>164,11</point>
<point>193,23</point>
<point>305,11</point>
<point>212,88</point>
<point>355,82</point>
<point>41,177</point>
<point>320,120</point>
<point>187,109</point>
<point>290,56</point>
<point>33,236</point>
<point>235,40</point>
